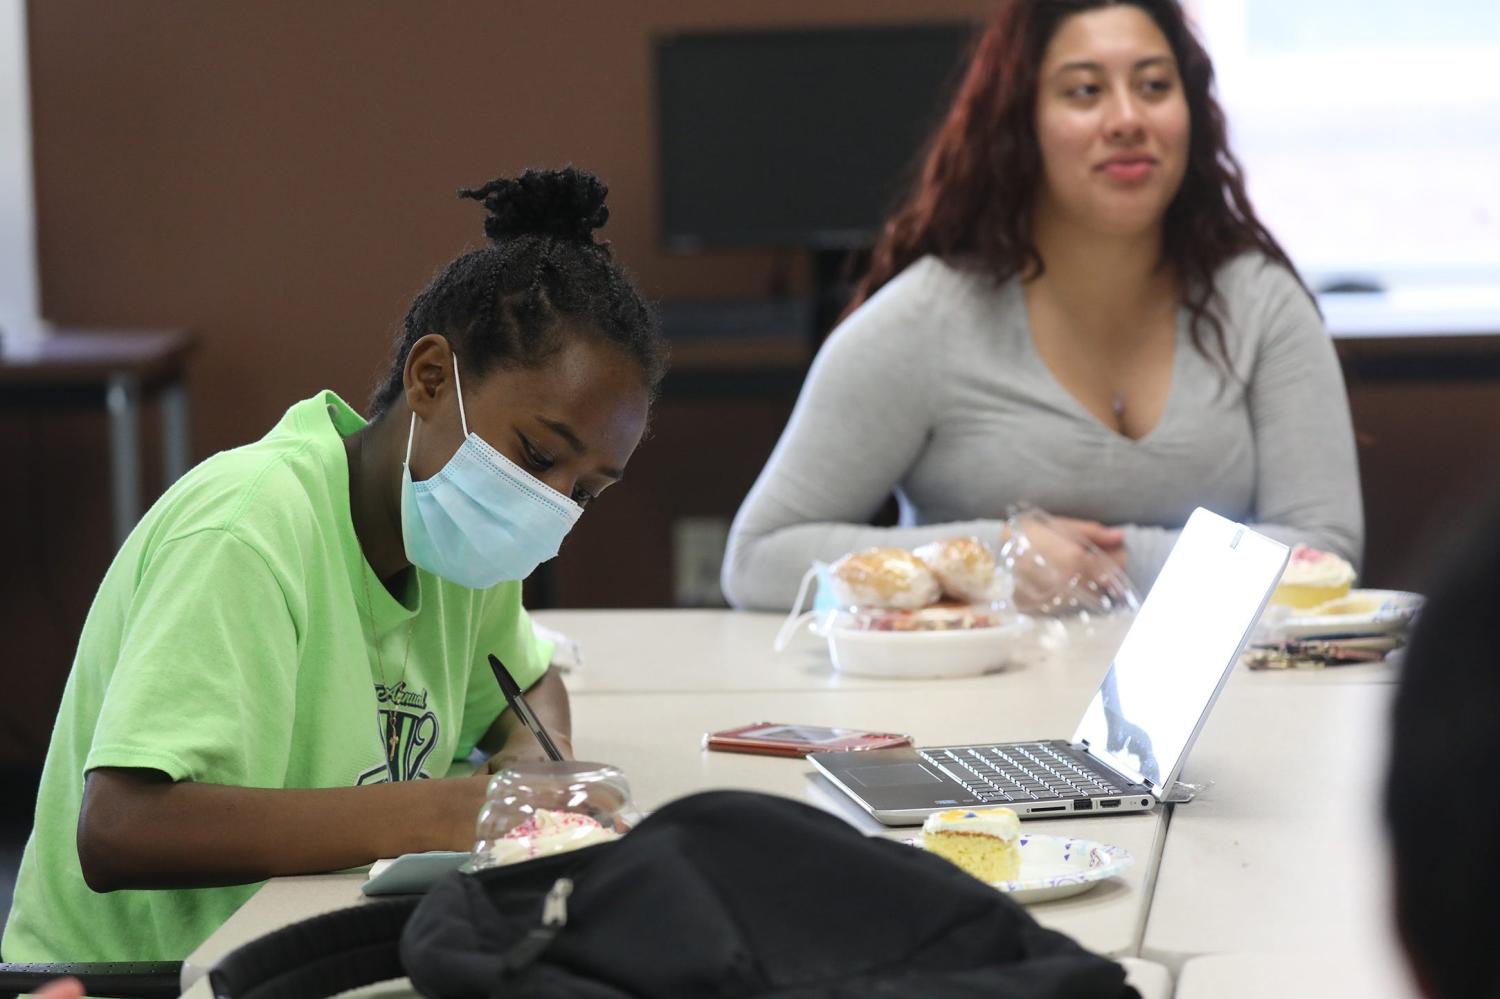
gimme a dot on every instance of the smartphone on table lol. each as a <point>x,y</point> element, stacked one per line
<point>782,739</point>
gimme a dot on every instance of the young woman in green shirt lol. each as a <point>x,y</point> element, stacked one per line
<point>290,650</point>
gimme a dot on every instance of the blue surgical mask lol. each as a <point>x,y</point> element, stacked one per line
<point>482,519</point>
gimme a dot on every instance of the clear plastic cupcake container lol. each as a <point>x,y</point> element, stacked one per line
<point>536,809</point>
<point>1047,591</point>
<point>1080,605</point>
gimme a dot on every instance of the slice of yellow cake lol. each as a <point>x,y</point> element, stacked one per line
<point>982,841</point>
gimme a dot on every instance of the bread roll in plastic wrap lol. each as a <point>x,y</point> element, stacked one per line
<point>965,568</point>
<point>883,577</point>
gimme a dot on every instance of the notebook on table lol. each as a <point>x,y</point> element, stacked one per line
<point>1136,731</point>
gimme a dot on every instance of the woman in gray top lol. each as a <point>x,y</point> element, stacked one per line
<point>1077,308</point>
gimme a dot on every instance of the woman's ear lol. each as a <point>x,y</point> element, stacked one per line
<point>428,369</point>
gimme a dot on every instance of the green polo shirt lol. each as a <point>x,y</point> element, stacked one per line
<point>239,638</point>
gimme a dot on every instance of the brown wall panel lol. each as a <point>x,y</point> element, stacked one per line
<point>1428,448</point>
<point>279,176</point>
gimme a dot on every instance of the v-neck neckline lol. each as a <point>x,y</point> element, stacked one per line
<point>1075,404</point>
<point>384,609</point>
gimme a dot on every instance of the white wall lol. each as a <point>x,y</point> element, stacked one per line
<point>18,283</point>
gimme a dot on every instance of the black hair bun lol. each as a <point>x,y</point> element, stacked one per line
<point>567,203</point>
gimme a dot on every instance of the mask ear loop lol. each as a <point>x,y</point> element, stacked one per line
<point>459,388</point>
<point>411,431</point>
<point>796,618</point>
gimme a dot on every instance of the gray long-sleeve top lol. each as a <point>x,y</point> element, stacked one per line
<point>934,389</point>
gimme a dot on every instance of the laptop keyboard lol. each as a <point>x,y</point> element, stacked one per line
<point>1025,771</point>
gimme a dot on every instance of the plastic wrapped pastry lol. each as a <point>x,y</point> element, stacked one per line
<point>883,577</point>
<point>965,568</point>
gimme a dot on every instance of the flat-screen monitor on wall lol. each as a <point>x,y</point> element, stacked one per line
<point>796,137</point>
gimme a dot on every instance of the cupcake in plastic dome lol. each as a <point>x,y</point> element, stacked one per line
<point>537,809</point>
<point>957,607</point>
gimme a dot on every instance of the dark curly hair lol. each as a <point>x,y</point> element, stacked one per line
<point>973,200</point>
<point>543,275</point>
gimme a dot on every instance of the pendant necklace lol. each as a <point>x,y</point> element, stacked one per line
<point>1117,406</point>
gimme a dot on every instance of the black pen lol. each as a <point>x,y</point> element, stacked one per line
<point>517,702</point>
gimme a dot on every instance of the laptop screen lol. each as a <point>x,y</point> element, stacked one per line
<point>1179,649</point>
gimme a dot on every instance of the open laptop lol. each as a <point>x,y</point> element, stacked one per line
<point>1136,731</point>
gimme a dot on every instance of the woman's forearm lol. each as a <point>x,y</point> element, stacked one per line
<point>138,829</point>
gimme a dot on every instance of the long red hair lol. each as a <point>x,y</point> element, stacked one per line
<point>972,202</point>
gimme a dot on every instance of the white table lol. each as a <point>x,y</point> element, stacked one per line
<point>684,651</point>
<point>1281,859</point>
<point>1266,867</point>
<point>655,739</point>
<point>654,735</point>
<point>659,750</point>
<point>1303,975</point>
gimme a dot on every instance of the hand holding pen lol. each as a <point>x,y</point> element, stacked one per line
<point>517,702</point>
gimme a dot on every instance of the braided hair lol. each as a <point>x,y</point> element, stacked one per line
<point>543,277</point>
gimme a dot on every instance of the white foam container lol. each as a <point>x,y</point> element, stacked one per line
<point>921,655</point>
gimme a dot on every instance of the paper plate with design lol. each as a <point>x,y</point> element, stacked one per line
<point>1059,866</point>
<point>1359,612</point>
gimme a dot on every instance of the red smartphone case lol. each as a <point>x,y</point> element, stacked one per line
<point>736,740</point>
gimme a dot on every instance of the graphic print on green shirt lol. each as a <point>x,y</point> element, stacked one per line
<point>231,642</point>
<point>410,734</point>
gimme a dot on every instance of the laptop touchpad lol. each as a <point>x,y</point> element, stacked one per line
<point>893,774</point>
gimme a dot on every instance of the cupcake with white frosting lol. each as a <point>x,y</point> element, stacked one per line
<point>546,832</point>
<point>1311,578</point>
